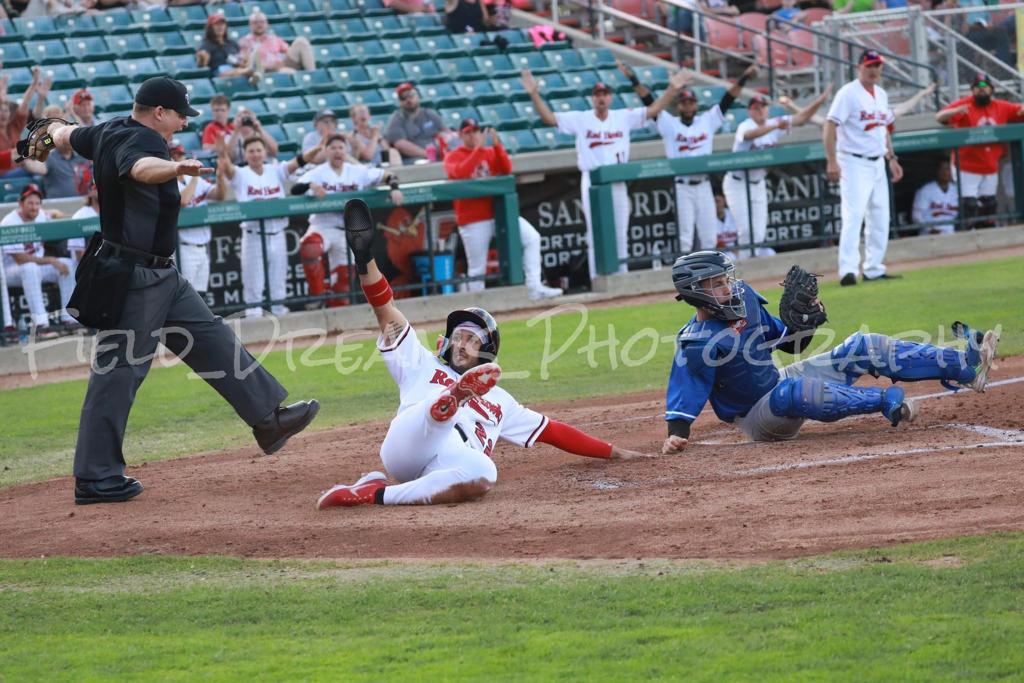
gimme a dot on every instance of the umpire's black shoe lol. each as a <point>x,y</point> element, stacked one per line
<point>285,422</point>
<point>848,279</point>
<point>110,490</point>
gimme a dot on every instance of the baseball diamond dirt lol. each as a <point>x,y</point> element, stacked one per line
<point>854,484</point>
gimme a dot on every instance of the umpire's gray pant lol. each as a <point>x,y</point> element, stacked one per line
<point>162,306</point>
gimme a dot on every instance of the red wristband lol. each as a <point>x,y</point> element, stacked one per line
<point>572,440</point>
<point>379,293</point>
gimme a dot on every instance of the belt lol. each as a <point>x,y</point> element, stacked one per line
<point>687,181</point>
<point>864,156</point>
<point>140,257</point>
<point>739,177</point>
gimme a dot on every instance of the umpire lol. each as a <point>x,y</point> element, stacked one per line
<point>133,287</point>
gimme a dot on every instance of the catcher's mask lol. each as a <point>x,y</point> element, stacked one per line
<point>692,271</point>
<point>479,317</point>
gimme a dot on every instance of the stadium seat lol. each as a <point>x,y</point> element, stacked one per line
<point>114,21</point>
<point>257,106</point>
<point>387,26</point>
<point>460,67</point>
<point>77,25</point>
<point>582,82</point>
<point>425,24</point>
<point>200,90</point>
<point>752,24</point>
<point>188,17</point>
<point>439,46</point>
<point>156,19</point>
<point>327,100</point>
<point>387,74</point>
<point>710,95</point>
<point>340,9</point>
<point>301,9</point>
<point>371,7</point>
<point>501,116</point>
<point>496,65</point>
<point>354,29</point>
<point>351,77</point>
<point>373,99</point>
<point>423,71</point>
<point>518,40</point>
<point>615,80</point>
<point>236,86</point>
<point>479,92</point>
<point>318,80</point>
<point>512,89</point>
<point>724,34</point>
<point>36,28</point>
<point>333,54</point>
<point>19,78</point>
<point>803,60</point>
<point>654,77</point>
<point>569,104</point>
<point>534,61</point>
<point>369,51</point>
<point>138,69</point>
<point>521,141</point>
<point>315,32</point>
<point>441,95</point>
<point>779,57</point>
<point>289,108</point>
<point>565,60</point>
<point>14,55</point>
<point>89,48</point>
<point>112,97</point>
<point>279,84</point>
<point>49,52</point>
<point>527,112</point>
<point>182,66</point>
<point>402,49</point>
<point>190,140</point>
<point>129,45</point>
<point>170,43</point>
<point>453,117</point>
<point>813,15</point>
<point>598,57</point>
<point>550,138</point>
<point>296,130</point>
<point>93,73</point>
<point>286,146</point>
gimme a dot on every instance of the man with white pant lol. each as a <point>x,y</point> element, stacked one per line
<point>26,266</point>
<point>758,132</point>
<point>482,155</point>
<point>194,243</point>
<point>602,138</point>
<point>858,147</point>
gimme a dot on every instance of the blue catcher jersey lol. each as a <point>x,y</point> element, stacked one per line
<point>730,363</point>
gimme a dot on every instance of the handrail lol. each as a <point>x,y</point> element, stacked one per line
<point>955,77</point>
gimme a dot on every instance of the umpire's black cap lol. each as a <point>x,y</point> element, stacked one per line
<point>161,91</point>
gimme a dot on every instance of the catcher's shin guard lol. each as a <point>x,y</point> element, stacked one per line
<point>339,284</point>
<point>828,401</point>
<point>901,361</point>
<point>311,251</point>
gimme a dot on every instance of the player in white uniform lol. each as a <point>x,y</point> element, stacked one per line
<point>936,204</point>
<point>858,145</point>
<point>602,138</point>
<point>262,179</point>
<point>194,243</point>
<point>756,133</point>
<point>451,413</point>
<point>326,232</point>
<point>688,134</point>
<point>26,266</point>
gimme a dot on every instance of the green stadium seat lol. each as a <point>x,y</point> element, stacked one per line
<point>518,40</point>
<point>138,69</point>
<point>511,88</point>
<point>200,90</point>
<point>351,77</point>
<point>582,81</point>
<point>630,100</point>
<point>479,92</point>
<point>156,19</point>
<point>453,117</point>
<point>300,9</point>
<point>112,97</point>
<point>654,77</point>
<point>423,71</point>
<point>340,9</point>
<point>565,60</point>
<point>426,24</point>
<point>89,48</point>
<point>534,61</point>
<point>388,26</point>
<point>318,80</point>
<point>403,49</point>
<point>296,130</point>
<point>188,17</point>
<point>236,86</point>
<point>556,85</point>
<point>569,104</point>
<point>114,21</point>
<point>94,73</point>
<point>289,108</point>
<point>18,79</point>
<point>257,106</point>
<point>327,100</point>
<point>527,112</point>
<point>190,140</point>
<point>520,141</point>
<point>279,84</point>
<point>269,7</point>
<point>369,51</point>
<point>439,46</point>
<point>387,74</point>
<point>334,53</point>
<point>502,116</point>
<point>14,55</point>
<point>460,68</point>
<point>35,28</point>
<point>615,80</point>
<point>316,32</point>
<point>354,29</point>
<point>170,43</point>
<point>440,95</point>
<point>376,101</point>
<point>708,95</point>
<point>182,66</point>
<point>48,52</point>
<point>76,25</point>
<point>129,45</point>
<point>598,57</point>
<point>286,146</point>
<point>371,7</point>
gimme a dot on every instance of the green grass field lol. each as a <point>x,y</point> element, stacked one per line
<point>948,610</point>
<point>603,351</point>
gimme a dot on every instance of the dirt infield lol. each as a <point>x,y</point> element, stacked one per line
<point>852,484</point>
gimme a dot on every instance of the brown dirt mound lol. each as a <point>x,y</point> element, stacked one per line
<point>853,484</point>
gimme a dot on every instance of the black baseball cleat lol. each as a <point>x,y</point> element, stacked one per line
<point>273,431</point>
<point>848,280</point>
<point>883,276</point>
<point>110,490</point>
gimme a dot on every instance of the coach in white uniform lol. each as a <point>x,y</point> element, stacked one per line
<point>602,138</point>
<point>194,243</point>
<point>756,133</point>
<point>858,146</point>
<point>936,204</point>
<point>262,179</point>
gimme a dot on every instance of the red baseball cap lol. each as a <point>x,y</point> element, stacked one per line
<point>81,96</point>
<point>600,87</point>
<point>686,94</point>
<point>404,87</point>
<point>871,57</point>
<point>469,123</point>
<point>31,188</point>
<point>757,101</point>
<point>175,146</point>
<point>216,17</point>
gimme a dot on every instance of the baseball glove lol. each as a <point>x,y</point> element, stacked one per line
<point>39,142</point>
<point>799,308</point>
<point>359,231</point>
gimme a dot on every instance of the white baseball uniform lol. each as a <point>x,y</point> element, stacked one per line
<point>602,143</point>
<point>752,218</point>
<point>250,187</point>
<point>695,204</point>
<point>862,119</point>
<point>936,208</point>
<point>331,226</point>
<point>31,276</point>
<point>726,227</point>
<point>430,457</point>
<point>193,243</point>
<point>76,245</point>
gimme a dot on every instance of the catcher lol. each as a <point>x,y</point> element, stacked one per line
<point>725,354</point>
<point>451,412</point>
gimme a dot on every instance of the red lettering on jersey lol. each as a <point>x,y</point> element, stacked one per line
<point>340,187</point>
<point>494,408</point>
<point>688,142</point>
<point>441,378</point>
<point>262,191</point>
<point>738,325</point>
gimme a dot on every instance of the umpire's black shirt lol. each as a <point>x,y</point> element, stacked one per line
<point>133,214</point>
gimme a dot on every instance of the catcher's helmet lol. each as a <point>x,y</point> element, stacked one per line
<point>478,316</point>
<point>690,270</point>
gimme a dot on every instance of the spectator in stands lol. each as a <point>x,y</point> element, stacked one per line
<point>368,146</point>
<point>325,125</point>
<point>467,16</point>
<point>13,117</point>
<point>82,109</point>
<point>979,164</point>
<point>788,12</point>
<point>26,266</point>
<point>981,32</point>
<point>220,53</point>
<point>91,209</point>
<point>247,125</point>
<point>193,243</point>
<point>270,53</point>
<point>682,19</point>
<point>936,204</point>
<point>62,174</point>
<point>410,6</point>
<point>412,129</point>
<point>219,125</point>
